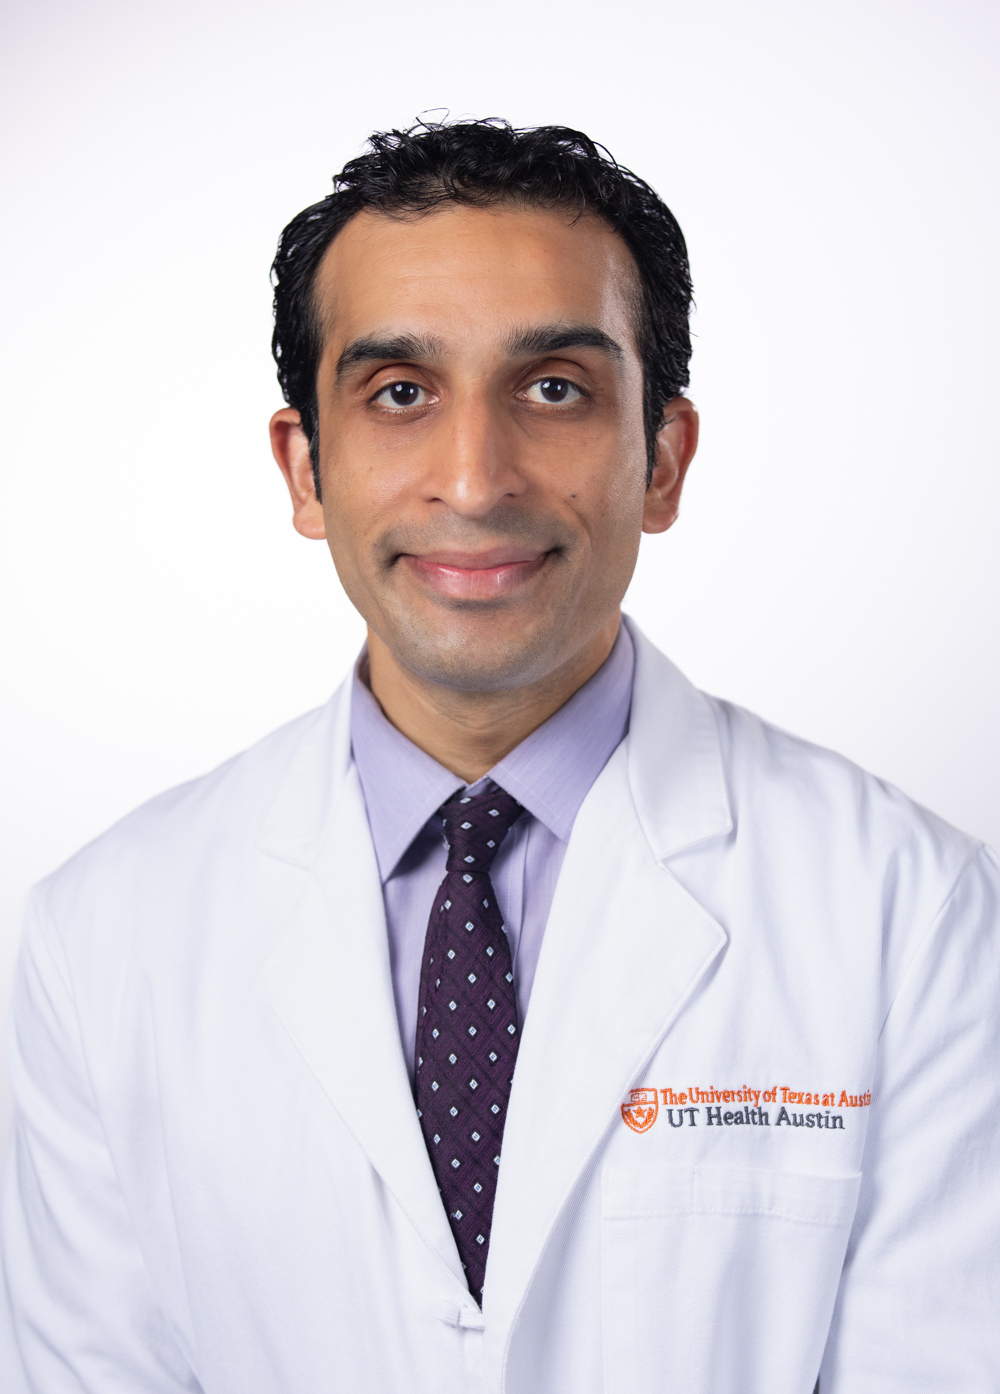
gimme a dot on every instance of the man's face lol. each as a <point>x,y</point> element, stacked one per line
<point>482,456</point>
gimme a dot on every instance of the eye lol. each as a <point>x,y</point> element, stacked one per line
<point>402,394</point>
<point>554,392</point>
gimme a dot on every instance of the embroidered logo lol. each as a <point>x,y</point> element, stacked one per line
<point>708,1107</point>
<point>641,1110</point>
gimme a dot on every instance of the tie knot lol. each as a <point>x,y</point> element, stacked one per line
<point>475,826</point>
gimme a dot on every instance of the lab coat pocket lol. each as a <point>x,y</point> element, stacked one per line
<point>719,1280</point>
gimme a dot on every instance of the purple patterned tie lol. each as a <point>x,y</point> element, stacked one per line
<point>467,1032</point>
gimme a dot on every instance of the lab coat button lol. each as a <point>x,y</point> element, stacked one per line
<point>464,1318</point>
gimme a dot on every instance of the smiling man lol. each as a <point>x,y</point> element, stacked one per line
<point>523,1020</point>
<point>482,463</point>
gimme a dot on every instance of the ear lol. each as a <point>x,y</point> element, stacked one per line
<point>675,446</point>
<point>291,450</point>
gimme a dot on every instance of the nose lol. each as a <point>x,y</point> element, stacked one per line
<point>475,458</point>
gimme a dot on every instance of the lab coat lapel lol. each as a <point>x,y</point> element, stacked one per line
<point>624,949</point>
<point>329,976</point>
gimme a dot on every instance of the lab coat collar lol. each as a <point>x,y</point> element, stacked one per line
<point>675,768</point>
<point>314,782</point>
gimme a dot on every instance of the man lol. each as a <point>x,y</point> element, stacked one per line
<point>524,1019</point>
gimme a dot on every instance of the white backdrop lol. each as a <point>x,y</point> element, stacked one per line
<point>834,167</point>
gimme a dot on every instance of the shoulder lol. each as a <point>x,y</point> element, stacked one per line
<point>818,815</point>
<point>169,837</point>
<point>705,768</point>
<point>768,765</point>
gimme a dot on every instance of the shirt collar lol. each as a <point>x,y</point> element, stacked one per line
<point>550,772</point>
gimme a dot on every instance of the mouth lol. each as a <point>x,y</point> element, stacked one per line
<point>493,574</point>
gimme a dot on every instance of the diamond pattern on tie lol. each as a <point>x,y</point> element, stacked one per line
<point>467,1027</point>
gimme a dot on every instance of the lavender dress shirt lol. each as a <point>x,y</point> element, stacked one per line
<point>550,773</point>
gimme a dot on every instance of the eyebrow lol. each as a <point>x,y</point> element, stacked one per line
<point>371,347</point>
<point>552,338</point>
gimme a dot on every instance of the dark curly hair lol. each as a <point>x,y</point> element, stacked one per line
<point>483,163</point>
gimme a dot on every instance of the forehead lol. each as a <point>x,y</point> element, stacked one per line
<point>463,273</point>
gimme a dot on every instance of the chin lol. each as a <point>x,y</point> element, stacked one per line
<point>481,657</point>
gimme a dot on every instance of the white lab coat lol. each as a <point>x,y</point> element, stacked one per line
<point>218,1181</point>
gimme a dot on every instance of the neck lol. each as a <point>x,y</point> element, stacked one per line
<point>469,732</point>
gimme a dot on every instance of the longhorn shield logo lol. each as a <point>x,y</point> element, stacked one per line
<point>641,1110</point>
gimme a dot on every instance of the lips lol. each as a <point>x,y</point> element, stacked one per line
<point>489,575</point>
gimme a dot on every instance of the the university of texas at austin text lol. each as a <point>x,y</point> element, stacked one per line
<point>711,1107</point>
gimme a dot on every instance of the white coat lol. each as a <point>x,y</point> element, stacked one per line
<point>218,1181</point>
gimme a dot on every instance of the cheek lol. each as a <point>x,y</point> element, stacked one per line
<point>356,496</point>
<point>611,502</point>
<point>348,511</point>
<point>370,473</point>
